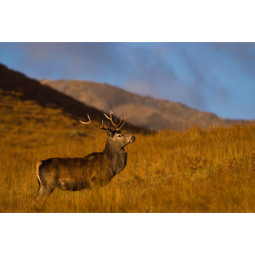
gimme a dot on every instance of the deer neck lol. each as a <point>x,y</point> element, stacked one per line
<point>117,157</point>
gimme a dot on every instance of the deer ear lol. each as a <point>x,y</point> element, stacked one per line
<point>110,133</point>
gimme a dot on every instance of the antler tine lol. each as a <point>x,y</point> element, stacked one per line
<point>90,121</point>
<point>102,125</point>
<point>86,122</point>
<point>120,127</point>
<point>119,122</point>
<point>110,118</point>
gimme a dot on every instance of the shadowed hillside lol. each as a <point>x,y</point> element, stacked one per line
<point>143,111</point>
<point>30,89</point>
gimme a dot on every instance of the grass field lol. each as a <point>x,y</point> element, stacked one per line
<point>191,171</point>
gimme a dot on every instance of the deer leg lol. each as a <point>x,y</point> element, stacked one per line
<point>42,194</point>
<point>95,195</point>
<point>93,185</point>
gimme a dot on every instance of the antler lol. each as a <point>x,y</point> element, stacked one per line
<point>110,118</point>
<point>121,125</point>
<point>117,126</point>
<point>90,121</point>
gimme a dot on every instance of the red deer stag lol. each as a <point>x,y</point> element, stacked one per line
<point>94,170</point>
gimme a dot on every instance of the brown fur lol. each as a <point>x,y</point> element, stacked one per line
<point>94,170</point>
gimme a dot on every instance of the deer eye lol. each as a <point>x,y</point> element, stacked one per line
<point>119,135</point>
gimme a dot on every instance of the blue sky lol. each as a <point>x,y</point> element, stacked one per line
<point>214,77</point>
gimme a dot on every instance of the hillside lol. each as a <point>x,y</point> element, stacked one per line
<point>30,89</point>
<point>191,171</point>
<point>143,111</point>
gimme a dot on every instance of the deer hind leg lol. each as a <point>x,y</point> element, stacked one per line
<point>45,188</point>
<point>42,195</point>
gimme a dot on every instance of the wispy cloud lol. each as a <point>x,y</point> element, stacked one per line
<point>217,77</point>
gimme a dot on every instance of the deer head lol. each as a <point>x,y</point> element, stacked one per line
<point>115,136</point>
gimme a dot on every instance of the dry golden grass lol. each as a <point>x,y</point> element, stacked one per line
<point>192,171</point>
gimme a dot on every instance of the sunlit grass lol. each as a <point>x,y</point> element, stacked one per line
<point>192,171</point>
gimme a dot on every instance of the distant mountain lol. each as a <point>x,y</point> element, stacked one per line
<point>143,111</point>
<point>29,89</point>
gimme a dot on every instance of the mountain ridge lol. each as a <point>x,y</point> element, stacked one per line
<point>144,111</point>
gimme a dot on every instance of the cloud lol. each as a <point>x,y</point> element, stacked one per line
<point>217,77</point>
<point>71,60</point>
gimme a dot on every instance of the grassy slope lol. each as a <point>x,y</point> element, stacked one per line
<point>192,171</point>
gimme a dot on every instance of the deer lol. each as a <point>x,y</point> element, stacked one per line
<point>92,171</point>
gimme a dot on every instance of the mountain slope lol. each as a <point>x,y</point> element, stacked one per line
<point>30,89</point>
<point>144,111</point>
